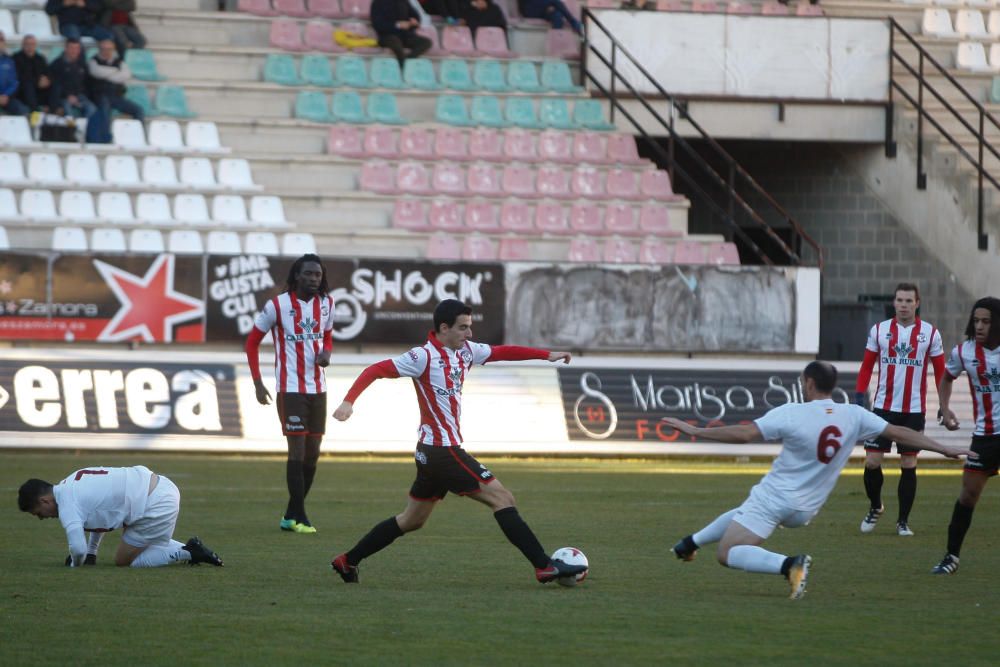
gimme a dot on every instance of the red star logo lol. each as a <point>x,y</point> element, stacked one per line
<point>150,306</point>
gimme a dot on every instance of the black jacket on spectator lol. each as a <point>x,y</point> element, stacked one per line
<point>385,14</point>
<point>81,16</point>
<point>67,79</point>
<point>29,70</point>
<point>491,16</point>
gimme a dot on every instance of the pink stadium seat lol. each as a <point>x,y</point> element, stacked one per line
<point>574,7</point>
<point>380,141</point>
<point>285,35</point>
<point>484,180</point>
<point>584,250</point>
<point>689,252</point>
<point>552,182</point>
<point>555,146</point>
<point>481,216</point>
<point>654,220</point>
<point>485,144</point>
<point>519,181</point>
<point>446,215</point>
<point>492,41</point>
<point>364,29</point>
<point>590,147</point>
<point>804,9</point>
<point>620,251</point>
<point>256,7</point>
<point>319,37</point>
<point>740,8</point>
<point>450,144</point>
<point>295,8</point>
<point>409,214</point>
<point>622,149</point>
<point>431,33</point>
<point>586,219</point>
<point>514,249</point>
<point>620,219</point>
<point>562,44</point>
<point>517,217</point>
<point>551,218</point>
<point>328,9</point>
<point>655,251</point>
<point>723,254</point>
<point>479,248</point>
<point>603,4</point>
<point>357,9</point>
<point>416,143</point>
<point>655,183</point>
<point>457,39</point>
<point>519,145</point>
<point>588,182</point>
<point>443,246</point>
<point>378,177</point>
<point>623,184</point>
<point>413,177</point>
<point>449,179</point>
<point>704,6</point>
<point>345,140</point>
<point>669,6</point>
<point>774,9</point>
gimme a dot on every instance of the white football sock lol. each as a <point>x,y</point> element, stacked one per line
<point>159,555</point>
<point>94,543</point>
<point>755,559</point>
<point>714,531</point>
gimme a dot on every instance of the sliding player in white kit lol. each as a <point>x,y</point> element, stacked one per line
<point>142,503</point>
<point>818,437</point>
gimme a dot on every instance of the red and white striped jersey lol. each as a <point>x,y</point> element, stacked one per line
<point>983,368</point>
<point>299,328</point>
<point>438,374</point>
<point>903,353</point>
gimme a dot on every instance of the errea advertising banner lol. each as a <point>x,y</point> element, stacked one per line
<point>629,404</point>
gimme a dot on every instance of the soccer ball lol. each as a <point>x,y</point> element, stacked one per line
<point>571,556</point>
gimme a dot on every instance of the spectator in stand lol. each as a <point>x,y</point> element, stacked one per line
<point>9,103</point>
<point>117,17</point>
<point>483,13</point>
<point>78,18</point>
<point>108,75</point>
<point>69,79</point>
<point>395,23</point>
<point>32,75</point>
<point>449,10</point>
<point>553,11</point>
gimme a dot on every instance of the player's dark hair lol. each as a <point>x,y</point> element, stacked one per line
<point>448,311</point>
<point>30,492</point>
<point>907,287</point>
<point>823,374</point>
<point>991,304</point>
<point>292,283</point>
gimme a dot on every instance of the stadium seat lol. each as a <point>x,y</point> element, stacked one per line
<point>557,78</point>
<point>380,141</point>
<point>483,180</point>
<point>995,56</point>
<point>345,140</point>
<point>261,243</point>
<point>171,101</point>
<point>295,8</point>
<point>450,179</point>
<point>115,207</point>
<point>514,249</point>
<point>517,217</point>
<point>654,220</point>
<point>443,246</point>
<point>128,133</point>
<point>143,65</point>
<point>11,169</point>
<point>551,218</point>
<point>15,131</point>
<point>519,181</point>
<point>328,9</point>
<point>35,22</point>
<point>552,182</point>
<point>108,239</point>
<point>619,251</point>
<point>223,243</point>
<point>159,171</point>
<point>311,105</point>
<point>4,241</point>
<point>318,36</point>
<point>772,8</point>
<point>554,112</point>
<point>522,75</point>
<point>590,114</point>
<point>413,178</point>
<point>457,39</point>
<point>268,211</point>
<point>139,94</point>
<point>995,90</point>
<point>296,244</point>
<point>622,149</point>
<point>431,33</point>
<point>485,144</point>
<point>77,206</point>
<point>83,169</point>
<point>451,110</point>
<point>378,177</point>
<point>191,210</point>
<point>562,44</point>
<point>360,9</point>
<point>229,210</point>
<point>445,215</point>
<point>455,75</point>
<point>486,111</point>
<point>419,73</point>
<point>993,23</point>
<point>146,241</point>
<point>202,136</point>
<point>590,147</point>
<point>587,181</point>
<point>584,250</point>
<point>280,68</point>
<point>382,108</point>
<point>555,146</point>
<point>235,173</point>
<point>723,254</point>
<point>655,183</point>
<point>385,73</point>
<point>623,184</point>
<point>417,143</point>
<point>488,75</point>
<point>482,216</point>
<point>655,251</point>
<point>256,7</point>
<point>316,70</point>
<point>285,35</point>
<point>351,72</point>
<point>479,248</point>
<point>409,214</point>
<point>69,239</point>
<point>8,205</point>
<point>184,242</point>
<point>197,173</point>
<point>45,168</point>
<point>621,219</point>
<point>689,252</point>
<point>7,22</point>
<point>121,171</point>
<point>492,41</point>
<point>707,6</point>
<point>154,208</point>
<point>166,135</point>
<point>519,145</point>
<point>450,144</point>
<point>364,29</point>
<point>586,219</point>
<point>347,107</point>
<point>937,23</point>
<point>805,9</point>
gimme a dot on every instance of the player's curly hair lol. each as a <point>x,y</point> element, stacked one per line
<point>292,283</point>
<point>992,304</point>
<point>448,311</point>
<point>30,492</point>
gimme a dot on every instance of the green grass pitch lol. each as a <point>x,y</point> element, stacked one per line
<point>456,593</point>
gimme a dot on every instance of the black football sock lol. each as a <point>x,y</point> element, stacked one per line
<point>308,475</point>
<point>873,486</point>
<point>907,492</point>
<point>378,538</point>
<point>520,535</point>
<point>961,519</point>
<point>296,496</point>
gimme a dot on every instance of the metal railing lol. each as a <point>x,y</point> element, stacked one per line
<point>731,179</point>
<point>977,132</point>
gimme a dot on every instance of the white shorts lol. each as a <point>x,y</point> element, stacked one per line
<point>157,523</point>
<point>762,512</point>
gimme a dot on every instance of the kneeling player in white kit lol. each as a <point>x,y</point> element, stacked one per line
<point>818,437</point>
<point>142,503</point>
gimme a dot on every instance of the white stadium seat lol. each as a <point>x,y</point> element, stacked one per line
<point>191,209</point>
<point>197,173</point>
<point>969,23</point>
<point>121,171</point>
<point>224,243</point>
<point>937,23</point>
<point>114,207</point>
<point>995,56</point>
<point>83,169</point>
<point>260,243</point>
<point>8,205</point>
<point>185,242</point>
<point>972,56</point>
<point>993,23</point>
<point>11,169</point>
<point>70,239</point>
<point>166,135</point>
<point>202,136</point>
<point>229,210</point>
<point>159,171</point>
<point>128,133</point>
<point>4,241</point>
<point>235,173</point>
<point>38,205</point>
<point>108,239</point>
<point>267,210</point>
<point>296,244</point>
<point>145,240</point>
<point>77,206</point>
<point>45,168</point>
<point>15,131</point>
<point>154,208</point>
<point>35,22</point>
<point>7,24</point>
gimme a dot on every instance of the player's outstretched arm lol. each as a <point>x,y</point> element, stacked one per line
<point>948,418</point>
<point>738,434</point>
<point>344,411</point>
<point>560,356</point>
<point>911,438</point>
<point>383,369</point>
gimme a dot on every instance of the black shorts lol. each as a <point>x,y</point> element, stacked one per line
<point>985,456</point>
<point>302,414</point>
<point>444,469</point>
<point>914,420</point>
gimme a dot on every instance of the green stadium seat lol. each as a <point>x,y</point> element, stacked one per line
<point>171,101</point>
<point>557,77</point>
<point>522,75</point>
<point>351,72</point>
<point>316,70</point>
<point>53,52</point>
<point>589,114</point>
<point>311,105</point>
<point>385,73</point>
<point>554,112</point>
<point>486,111</point>
<point>419,73</point>
<point>139,94</point>
<point>347,107</point>
<point>521,112</point>
<point>90,52</point>
<point>488,75</point>
<point>280,68</point>
<point>455,75</point>
<point>995,90</point>
<point>451,110</point>
<point>382,108</point>
<point>143,65</point>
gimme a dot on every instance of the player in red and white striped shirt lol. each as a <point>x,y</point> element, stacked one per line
<point>902,346</point>
<point>439,368</point>
<point>301,319</point>
<point>979,358</point>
